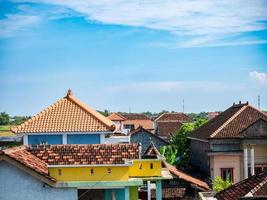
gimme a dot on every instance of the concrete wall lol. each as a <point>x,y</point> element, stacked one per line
<point>16,184</point>
<point>145,139</point>
<point>199,156</point>
<point>226,161</point>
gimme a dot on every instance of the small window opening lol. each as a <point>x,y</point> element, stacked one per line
<point>92,172</point>
<point>140,166</point>
<point>151,166</point>
<point>109,171</point>
<point>59,172</point>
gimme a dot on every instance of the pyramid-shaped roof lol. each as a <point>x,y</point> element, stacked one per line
<point>66,115</point>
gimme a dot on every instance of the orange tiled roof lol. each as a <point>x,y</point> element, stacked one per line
<point>21,155</point>
<point>180,117</point>
<point>116,117</point>
<point>66,115</point>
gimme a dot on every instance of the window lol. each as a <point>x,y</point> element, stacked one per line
<point>129,126</point>
<point>151,166</point>
<point>227,173</point>
<point>92,172</point>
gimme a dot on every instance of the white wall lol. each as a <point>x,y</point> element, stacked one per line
<point>16,184</point>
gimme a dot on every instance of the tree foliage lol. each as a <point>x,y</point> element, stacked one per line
<point>4,118</point>
<point>169,152</point>
<point>218,184</point>
<point>179,144</point>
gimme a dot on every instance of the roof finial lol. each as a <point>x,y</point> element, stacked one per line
<point>69,92</point>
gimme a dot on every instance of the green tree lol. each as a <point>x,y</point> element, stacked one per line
<point>4,118</point>
<point>218,184</point>
<point>180,143</point>
<point>169,152</point>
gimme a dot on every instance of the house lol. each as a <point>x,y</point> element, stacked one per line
<point>182,186</point>
<point>211,115</point>
<point>118,120</point>
<point>71,172</point>
<point>254,187</point>
<point>145,137</point>
<point>127,122</point>
<point>233,144</point>
<point>168,124</point>
<point>67,121</point>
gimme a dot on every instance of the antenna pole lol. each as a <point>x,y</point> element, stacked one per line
<point>183,105</point>
<point>259,102</point>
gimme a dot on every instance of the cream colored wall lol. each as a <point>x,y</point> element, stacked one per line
<point>260,152</point>
<point>226,161</point>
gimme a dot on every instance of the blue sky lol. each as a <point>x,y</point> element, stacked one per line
<point>147,55</point>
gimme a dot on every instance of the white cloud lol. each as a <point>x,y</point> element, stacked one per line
<point>259,77</point>
<point>210,19</point>
<point>168,86</point>
<point>13,24</point>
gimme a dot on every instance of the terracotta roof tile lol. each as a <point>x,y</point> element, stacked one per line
<point>187,177</point>
<point>66,115</point>
<point>170,193</point>
<point>230,123</point>
<point>116,117</point>
<point>255,185</point>
<point>21,155</point>
<point>85,154</point>
<point>168,128</point>
<point>147,124</point>
<point>180,117</point>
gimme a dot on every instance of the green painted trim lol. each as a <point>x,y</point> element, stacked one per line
<point>158,190</point>
<point>99,184</point>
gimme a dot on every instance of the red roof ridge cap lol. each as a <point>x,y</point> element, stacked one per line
<point>228,121</point>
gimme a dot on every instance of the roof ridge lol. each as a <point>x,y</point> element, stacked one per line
<point>228,121</point>
<point>35,117</point>
<point>14,149</point>
<point>90,110</point>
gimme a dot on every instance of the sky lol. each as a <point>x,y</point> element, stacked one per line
<point>133,55</point>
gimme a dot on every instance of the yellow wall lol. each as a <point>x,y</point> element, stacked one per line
<point>119,173</point>
<point>145,171</point>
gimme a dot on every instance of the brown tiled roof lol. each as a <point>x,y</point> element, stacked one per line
<point>168,128</point>
<point>116,117</point>
<point>66,115</point>
<point>95,154</point>
<point>21,155</point>
<point>135,116</point>
<point>180,117</point>
<point>255,185</point>
<point>170,193</point>
<point>230,123</point>
<point>182,175</point>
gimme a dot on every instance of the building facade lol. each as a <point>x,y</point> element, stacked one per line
<point>232,145</point>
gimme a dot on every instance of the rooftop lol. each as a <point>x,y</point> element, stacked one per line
<point>253,187</point>
<point>180,117</point>
<point>230,123</point>
<point>66,115</point>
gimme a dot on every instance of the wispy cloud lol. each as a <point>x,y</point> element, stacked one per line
<point>210,20</point>
<point>169,86</point>
<point>15,23</point>
<point>259,77</point>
